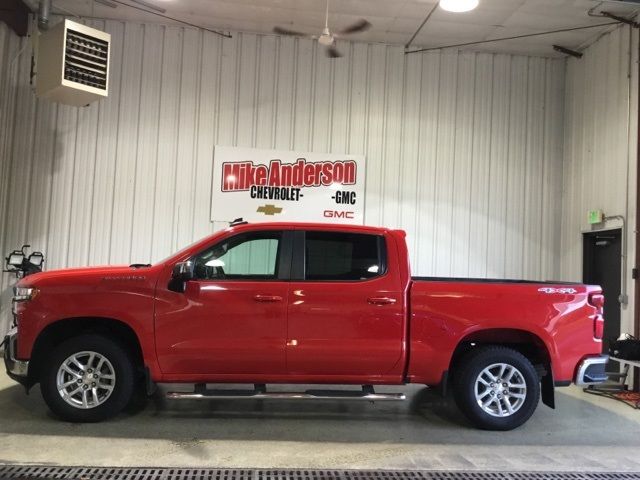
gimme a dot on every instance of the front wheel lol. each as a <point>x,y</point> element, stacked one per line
<point>89,378</point>
<point>497,388</point>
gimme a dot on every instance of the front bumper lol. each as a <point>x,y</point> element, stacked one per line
<point>16,369</point>
<point>592,370</point>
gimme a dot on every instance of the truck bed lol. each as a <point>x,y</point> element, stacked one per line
<point>447,311</point>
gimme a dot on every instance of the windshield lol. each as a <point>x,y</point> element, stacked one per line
<point>190,246</point>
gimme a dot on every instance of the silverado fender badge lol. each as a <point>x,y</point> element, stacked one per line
<point>126,277</point>
<point>563,290</point>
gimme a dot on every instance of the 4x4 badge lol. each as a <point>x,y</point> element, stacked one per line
<point>557,290</point>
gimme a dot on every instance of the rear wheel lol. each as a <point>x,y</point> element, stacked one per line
<point>497,388</point>
<point>90,378</point>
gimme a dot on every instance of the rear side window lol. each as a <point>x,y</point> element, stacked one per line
<point>343,256</point>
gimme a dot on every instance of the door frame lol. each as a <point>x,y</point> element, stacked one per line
<point>585,254</point>
<point>588,256</point>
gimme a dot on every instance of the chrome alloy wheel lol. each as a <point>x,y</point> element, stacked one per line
<point>86,379</point>
<point>500,390</point>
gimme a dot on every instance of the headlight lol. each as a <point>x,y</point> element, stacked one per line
<point>24,294</point>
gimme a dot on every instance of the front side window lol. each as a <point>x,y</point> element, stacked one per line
<point>248,256</point>
<point>343,256</point>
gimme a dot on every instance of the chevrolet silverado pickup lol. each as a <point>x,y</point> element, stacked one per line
<point>295,303</point>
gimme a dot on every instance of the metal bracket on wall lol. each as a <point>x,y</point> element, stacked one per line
<point>620,19</point>
<point>567,51</point>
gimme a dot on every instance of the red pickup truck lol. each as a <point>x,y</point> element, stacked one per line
<point>300,304</point>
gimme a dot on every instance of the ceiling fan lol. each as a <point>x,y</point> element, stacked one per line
<point>328,38</point>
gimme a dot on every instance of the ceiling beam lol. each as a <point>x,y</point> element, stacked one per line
<point>15,13</point>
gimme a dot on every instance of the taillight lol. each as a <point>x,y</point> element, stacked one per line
<point>598,327</point>
<point>597,300</point>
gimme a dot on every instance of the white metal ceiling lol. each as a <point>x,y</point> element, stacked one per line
<point>394,21</point>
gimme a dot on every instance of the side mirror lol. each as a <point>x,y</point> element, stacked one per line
<point>182,272</point>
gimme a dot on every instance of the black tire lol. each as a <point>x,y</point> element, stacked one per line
<point>464,382</point>
<point>125,375</point>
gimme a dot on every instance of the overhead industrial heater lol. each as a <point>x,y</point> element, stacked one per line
<point>72,65</point>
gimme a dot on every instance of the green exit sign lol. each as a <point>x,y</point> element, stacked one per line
<point>595,216</point>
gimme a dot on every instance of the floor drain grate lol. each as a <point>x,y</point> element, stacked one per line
<point>19,472</point>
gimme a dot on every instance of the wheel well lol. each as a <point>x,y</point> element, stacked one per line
<point>62,330</point>
<point>527,343</point>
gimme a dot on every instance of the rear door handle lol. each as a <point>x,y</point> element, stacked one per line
<point>267,298</point>
<point>381,300</point>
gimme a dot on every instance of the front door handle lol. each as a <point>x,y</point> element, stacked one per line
<point>381,300</point>
<point>267,298</point>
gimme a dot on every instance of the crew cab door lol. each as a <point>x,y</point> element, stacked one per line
<point>346,309</point>
<point>232,318</point>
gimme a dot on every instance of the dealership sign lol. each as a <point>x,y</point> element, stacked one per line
<point>271,185</point>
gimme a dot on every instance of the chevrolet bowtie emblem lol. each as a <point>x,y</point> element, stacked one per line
<point>269,209</point>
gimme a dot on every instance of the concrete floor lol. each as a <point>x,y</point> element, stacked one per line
<point>424,432</point>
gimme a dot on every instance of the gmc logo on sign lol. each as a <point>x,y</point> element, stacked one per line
<point>337,214</point>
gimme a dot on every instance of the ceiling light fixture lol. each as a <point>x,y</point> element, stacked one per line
<point>458,6</point>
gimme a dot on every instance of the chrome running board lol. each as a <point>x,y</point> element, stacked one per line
<point>260,393</point>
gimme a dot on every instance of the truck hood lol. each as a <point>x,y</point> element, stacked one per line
<point>88,275</point>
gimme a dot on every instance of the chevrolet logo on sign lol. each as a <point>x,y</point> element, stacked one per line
<point>269,209</point>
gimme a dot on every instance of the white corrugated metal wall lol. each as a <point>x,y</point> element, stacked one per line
<point>10,46</point>
<point>600,149</point>
<point>463,150</point>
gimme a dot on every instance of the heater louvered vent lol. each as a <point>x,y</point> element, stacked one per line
<point>73,64</point>
<point>86,60</point>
